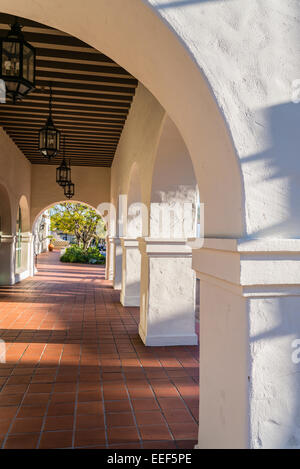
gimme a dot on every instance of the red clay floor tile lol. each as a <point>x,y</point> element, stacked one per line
<point>77,373</point>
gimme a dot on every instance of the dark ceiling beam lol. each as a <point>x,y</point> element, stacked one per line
<point>46,38</point>
<point>86,79</point>
<point>58,111</point>
<point>82,67</point>
<point>91,97</point>
<point>26,121</point>
<point>85,87</point>
<point>97,57</point>
<point>64,102</point>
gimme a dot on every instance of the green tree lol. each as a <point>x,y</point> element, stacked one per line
<point>78,220</point>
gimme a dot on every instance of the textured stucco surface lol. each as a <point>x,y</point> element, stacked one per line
<point>223,71</point>
<point>15,175</point>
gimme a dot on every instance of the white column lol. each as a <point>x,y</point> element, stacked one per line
<point>249,322</point>
<point>115,262</point>
<point>27,265</point>
<point>118,264</point>
<point>108,273</point>
<point>110,258</point>
<point>131,272</point>
<point>167,293</point>
<point>31,255</point>
<point>7,259</point>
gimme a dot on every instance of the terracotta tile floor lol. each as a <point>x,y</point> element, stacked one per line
<point>77,374</point>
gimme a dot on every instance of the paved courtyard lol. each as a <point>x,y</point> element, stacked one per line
<point>77,374</point>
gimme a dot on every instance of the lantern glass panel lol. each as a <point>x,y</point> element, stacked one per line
<point>11,86</point>
<point>51,139</point>
<point>42,138</point>
<point>10,58</point>
<point>69,190</point>
<point>28,63</point>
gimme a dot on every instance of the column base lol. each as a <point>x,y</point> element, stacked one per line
<point>127,300</point>
<point>167,340</point>
<point>19,276</point>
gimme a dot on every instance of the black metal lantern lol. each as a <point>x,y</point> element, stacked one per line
<point>49,139</point>
<point>63,172</point>
<point>17,63</point>
<point>69,190</point>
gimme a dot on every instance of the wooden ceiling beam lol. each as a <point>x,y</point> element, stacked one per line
<point>85,87</point>
<point>65,102</point>
<point>62,110</point>
<point>75,67</point>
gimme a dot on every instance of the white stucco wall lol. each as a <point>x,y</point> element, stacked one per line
<point>15,174</point>
<point>248,51</point>
<point>137,147</point>
<point>15,190</point>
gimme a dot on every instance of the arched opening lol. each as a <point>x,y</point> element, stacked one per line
<point>168,281</point>
<point>5,212</point>
<point>64,236</point>
<point>194,114</point>
<point>6,238</point>
<point>188,100</point>
<point>23,241</point>
<point>131,257</point>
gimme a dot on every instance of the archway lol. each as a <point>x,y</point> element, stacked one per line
<point>188,100</point>
<point>131,258</point>
<point>41,223</point>
<point>167,278</point>
<point>6,239</point>
<point>23,244</point>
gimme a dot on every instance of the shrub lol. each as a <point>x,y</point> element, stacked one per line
<point>78,255</point>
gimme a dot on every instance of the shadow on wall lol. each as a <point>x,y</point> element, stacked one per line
<point>275,324</point>
<point>280,165</point>
<point>183,3</point>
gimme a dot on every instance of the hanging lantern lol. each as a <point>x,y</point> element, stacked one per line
<point>63,172</point>
<point>69,190</point>
<point>49,139</point>
<point>17,64</point>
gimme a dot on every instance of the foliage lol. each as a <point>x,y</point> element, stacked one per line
<point>78,220</point>
<point>81,256</point>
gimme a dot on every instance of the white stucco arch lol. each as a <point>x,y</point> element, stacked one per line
<point>142,43</point>
<point>173,185</point>
<point>6,238</point>
<point>136,212</point>
<point>5,211</point>
<point>25,213</point>
<point>249,183</point>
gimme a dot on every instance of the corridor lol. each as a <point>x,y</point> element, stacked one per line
<point>77,375</point>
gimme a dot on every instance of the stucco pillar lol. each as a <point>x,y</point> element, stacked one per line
<point>167,314</point>
<point>7,257</point>
<point>249,343</point>
<point>29,261</point>
<point>108,266</point>
<point>27,265</point>
<point>131,272</point>
<point>110,258</point>
<point>115,262</point>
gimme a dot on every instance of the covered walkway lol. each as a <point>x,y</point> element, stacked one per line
<point>77,374</point>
